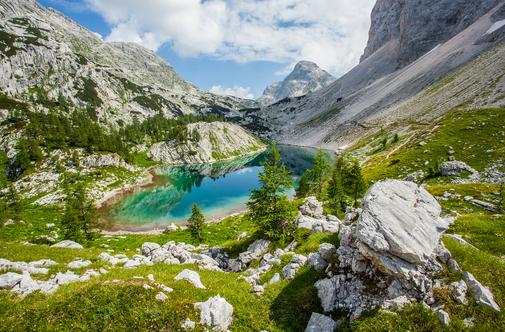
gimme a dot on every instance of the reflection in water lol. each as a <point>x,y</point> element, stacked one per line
<point>218,189</point>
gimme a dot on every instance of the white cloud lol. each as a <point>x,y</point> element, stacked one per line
<point>237,91</point>
<point>331,33</point>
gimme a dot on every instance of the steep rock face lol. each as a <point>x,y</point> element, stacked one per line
<point>381,89</point>
<point>214,141</point>
<point>49,61</point>
<point>306,77</point>
<point>421,25</point>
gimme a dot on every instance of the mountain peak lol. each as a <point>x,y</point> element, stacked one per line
<point>306,77</point>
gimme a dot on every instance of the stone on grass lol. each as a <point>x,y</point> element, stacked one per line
<point>161,297</point>
<point>275,279</point>
<point>481,294</point>
<point>188,324</point>
<point>79,264</point>
<point>443,317</point>
<point>9,280</point>
<point>192,277</point>
<point>67,244</point>
<point>459,291</point>
<point>320,323</point>
<point>216,313</point>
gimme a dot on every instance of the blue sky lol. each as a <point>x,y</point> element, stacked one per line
<point>232,46</point>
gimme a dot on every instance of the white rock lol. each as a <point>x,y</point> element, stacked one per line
<point>257,249</point>
<point>400,224</point>
<point>132,264</point>
<point>79,264</point>
<point>327,293</point>
<point>481,294</point>
<point>315,260</point>
<point>149,247</point>
<point>9,280</point>
<point>216,313</point>
<point>67,244</point>
<point>459,291</point>
<point>320,323</point>
<point>443,317</point>
<point>191,276</point>
<point>188,324</point>
<point>275,279</point>
<point>312,207</point>
<point>43,263</point>
<point>160,296</point>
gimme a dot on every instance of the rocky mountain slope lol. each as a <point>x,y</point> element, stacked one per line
<point>306,77</point>
<point>215,141</point>
<point>388,75</point>
<point>50,61</point>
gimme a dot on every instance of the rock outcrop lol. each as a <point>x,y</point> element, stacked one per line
<point>306,77</point>
<point>390,255</point>
<point>192,277</point>
<point>311,217</point>
<point>213,141</point>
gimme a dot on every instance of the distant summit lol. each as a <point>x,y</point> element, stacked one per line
<point>306,77</point>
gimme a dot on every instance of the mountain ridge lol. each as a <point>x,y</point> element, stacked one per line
<point>306,77</point>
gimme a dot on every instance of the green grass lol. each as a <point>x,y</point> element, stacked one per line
<point>476,136</point>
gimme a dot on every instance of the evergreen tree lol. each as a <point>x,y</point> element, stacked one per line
<point>335,190</point>
<point>14,203</point>
<point>196,223</point>
<point>269,206</point>
<point>357,180</point>
<point>312,181</point>
<point>79,219</point>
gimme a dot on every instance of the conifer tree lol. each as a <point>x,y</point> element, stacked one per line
<point>335,190</point>
<point>196,223</point>
<point>269,206</point>
<point>79,218</point>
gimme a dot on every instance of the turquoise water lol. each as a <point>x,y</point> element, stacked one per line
<point>219,189</point>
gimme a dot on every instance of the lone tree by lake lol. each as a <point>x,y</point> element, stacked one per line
<point>196,223</point>
<point>269,206</point>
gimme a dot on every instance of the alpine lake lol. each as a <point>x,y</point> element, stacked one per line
<point>219,189</point>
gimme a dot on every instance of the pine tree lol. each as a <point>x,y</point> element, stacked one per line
<point>79,219</point>
<point>335,190</point>
<point>357,180</point>
<point>319,172</point>
<point>196,223</point>
<point>312,181</point>
<point>14,203</point>
<point>269,206</point>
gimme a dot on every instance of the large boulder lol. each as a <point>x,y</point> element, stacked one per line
<point>400,226</point>
<point>216,313</point>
